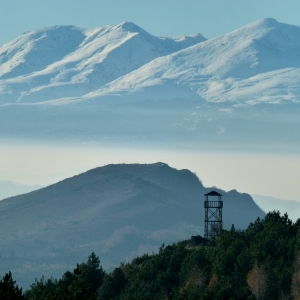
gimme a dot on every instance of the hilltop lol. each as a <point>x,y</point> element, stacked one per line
<point>116,211</point>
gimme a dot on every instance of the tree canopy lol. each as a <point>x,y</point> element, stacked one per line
<point>260,262</point>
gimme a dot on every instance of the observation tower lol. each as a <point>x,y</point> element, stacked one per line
<point>213,215</point>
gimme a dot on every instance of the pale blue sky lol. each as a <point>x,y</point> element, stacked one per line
<point>159,17</point>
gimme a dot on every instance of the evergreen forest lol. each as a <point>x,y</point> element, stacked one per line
<point>260,262</point>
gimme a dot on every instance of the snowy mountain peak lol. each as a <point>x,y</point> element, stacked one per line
<point>264,22</point>
<point>129,26</point>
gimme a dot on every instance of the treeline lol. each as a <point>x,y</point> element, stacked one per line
<point>261,262</point>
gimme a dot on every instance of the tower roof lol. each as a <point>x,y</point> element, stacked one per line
<point>213,193</point>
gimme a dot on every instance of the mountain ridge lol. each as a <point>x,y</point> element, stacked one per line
<point>263,48</point>
<point>61,56</point>
<point>10,189</point>
<point>208,68</point>
<point>116,211</point>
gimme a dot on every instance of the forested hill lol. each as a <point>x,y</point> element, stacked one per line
<point>118,211</point>
<point>260,262</point>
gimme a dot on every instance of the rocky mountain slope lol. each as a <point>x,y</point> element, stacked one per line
<point>117,211</point>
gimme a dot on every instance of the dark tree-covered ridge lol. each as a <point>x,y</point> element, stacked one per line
<point>260,262</point>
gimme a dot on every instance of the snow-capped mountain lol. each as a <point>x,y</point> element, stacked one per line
<point>122,83</point>
<point>258,63</point>
<point>66,61</point>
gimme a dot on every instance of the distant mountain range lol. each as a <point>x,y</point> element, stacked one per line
<point>65,61</point>
<point>117,211</point>
<point>267,204</point>
<point>122,83</point>
<point>258,63</point>
<point>9,189</point>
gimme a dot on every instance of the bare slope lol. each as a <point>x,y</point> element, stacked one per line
<point>117,211</point>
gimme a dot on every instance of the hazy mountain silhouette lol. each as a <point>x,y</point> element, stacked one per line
<point>9,189</point>
<point>267,204</point>
<point>117,211</point>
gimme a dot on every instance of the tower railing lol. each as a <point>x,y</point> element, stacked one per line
<point>213,204</point>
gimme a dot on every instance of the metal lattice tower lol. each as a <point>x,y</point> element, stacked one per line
<point>213,215</point>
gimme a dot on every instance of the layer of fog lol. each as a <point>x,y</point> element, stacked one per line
<point>274,175</point>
